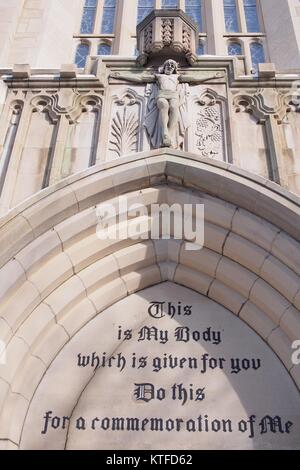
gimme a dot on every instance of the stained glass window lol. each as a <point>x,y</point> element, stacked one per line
<point>88,17</point>
<point>252,20</point>
<point>81,55</point>
<point>257,55</point>
<point>234,48</point>
<point>231,17</point>
<point>104,49</point>
<point>144,8</point>
<point>193,10</point>
<point>200,48</point>
<point>166,4</point>
<point>108,17</point>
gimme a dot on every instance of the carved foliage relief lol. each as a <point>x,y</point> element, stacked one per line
<point>208,131</point>
<point>148,37</point>
<point>167,31</point>
<point>124,131</point>
<point>186,37</point>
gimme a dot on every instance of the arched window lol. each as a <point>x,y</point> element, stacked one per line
<point>166,4</point>
<point>234,48</point>
<point>108,17</point>
<point>231,17</point>
<point>193,10</point>
<point>251,15</point>
<point>257,55</point>
<point>200,48</point>
<point>88,17</point>
<point>144,8</point>
<point>82,52</point>
<point>104,49</point>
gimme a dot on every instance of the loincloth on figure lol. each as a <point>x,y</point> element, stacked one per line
<point>168,94</point>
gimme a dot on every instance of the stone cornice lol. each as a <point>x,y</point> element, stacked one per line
<point>96,70</point>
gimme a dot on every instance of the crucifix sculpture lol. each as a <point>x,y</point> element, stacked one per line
<point>166,119</point>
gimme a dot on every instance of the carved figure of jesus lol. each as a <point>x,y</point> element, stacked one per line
<point>167,100</point>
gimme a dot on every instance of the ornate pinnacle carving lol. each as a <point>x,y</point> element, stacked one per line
<point>167,29</point>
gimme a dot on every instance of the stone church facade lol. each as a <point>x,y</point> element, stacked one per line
<point>162,102</point>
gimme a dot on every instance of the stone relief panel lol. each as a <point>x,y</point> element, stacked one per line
<point>251,140</point>
<point>125,130</point>
<point>61,131</point>
<point>207,136</point>
<point>37,150</point>
<point>167,117</point>
<point>82,136</point>
<point>290,142</point>
<point>58,137</point>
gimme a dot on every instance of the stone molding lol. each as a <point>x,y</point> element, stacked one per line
<point>264,102</point>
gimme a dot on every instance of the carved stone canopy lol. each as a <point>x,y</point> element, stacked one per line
<point>167,33</point>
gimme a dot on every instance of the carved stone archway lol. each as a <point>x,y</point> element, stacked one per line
<point>53,266</point>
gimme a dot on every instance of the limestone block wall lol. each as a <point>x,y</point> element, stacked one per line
<point>9,16</point>
<point>41,32</point>
<point>295,8</point>
<point>283,48</point>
